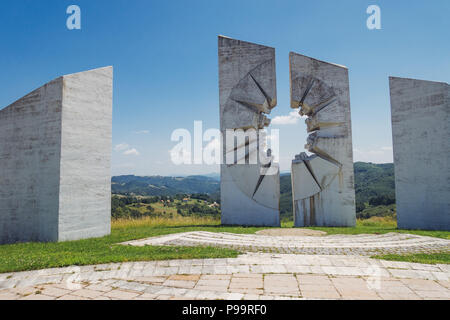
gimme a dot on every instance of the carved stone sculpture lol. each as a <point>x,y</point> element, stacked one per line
<point>322,183</point>
<point>250,188</point>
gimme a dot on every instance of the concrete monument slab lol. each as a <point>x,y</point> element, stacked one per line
<point>421,140</point>
<point>55,152</point>
<point>250,185</point>
<point>322,184</point>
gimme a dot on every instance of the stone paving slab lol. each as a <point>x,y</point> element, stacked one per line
<point>255,276</point>
<point>292,232</point>
<point>361,244</point>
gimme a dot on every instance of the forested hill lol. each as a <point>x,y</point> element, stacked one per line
<point>164,186</point>
<point>374,180</point>
<point>374,184</point>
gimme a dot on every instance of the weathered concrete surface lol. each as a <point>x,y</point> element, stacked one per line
<point>251,276</point>
<point>30,131</point>
<point>55,160</point>
<point>421,140</point>
<point>250,192</point>
<point>323,184</point>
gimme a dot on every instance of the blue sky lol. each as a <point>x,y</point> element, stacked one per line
<point>165,59</point>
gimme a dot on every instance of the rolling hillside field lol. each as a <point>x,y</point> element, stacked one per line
<point>374,188</point>
<point>199,205</point>
<point>163,186</point>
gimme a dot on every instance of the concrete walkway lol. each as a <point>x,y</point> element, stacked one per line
<point>250,276</point>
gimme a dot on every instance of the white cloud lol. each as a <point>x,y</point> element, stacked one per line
<point>121,147</point>
<point>376,155</point>
<point>132,151</point>
<point>142,132</point>
<point>291,118</point>
<point>125,149</point>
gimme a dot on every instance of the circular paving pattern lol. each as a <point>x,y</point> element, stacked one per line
<point>291,232</point>
<point>362,244</point>
<point>328,267</point>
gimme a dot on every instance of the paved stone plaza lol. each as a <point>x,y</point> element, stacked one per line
<point>363,244</point>
<point>250,276</point>
<point>253,275</point>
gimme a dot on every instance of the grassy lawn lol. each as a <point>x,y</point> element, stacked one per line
<point>379,225</point>
<point>433,258</point>
<point>32,256</point>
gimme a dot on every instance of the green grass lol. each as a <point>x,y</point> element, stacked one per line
<point>32,256</point>
<point>381,225</point>
<point>431,258</point>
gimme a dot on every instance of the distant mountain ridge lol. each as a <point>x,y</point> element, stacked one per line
<point>371,181</point>
<point>163,186</point>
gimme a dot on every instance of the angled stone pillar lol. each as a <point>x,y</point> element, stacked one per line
<point>250,184</point>
<point>322,184</point>
<point>55,150</point>
<point>421,143</point>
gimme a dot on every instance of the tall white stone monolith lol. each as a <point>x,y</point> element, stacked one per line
<point>421,143</point>
<point>55,151</point>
